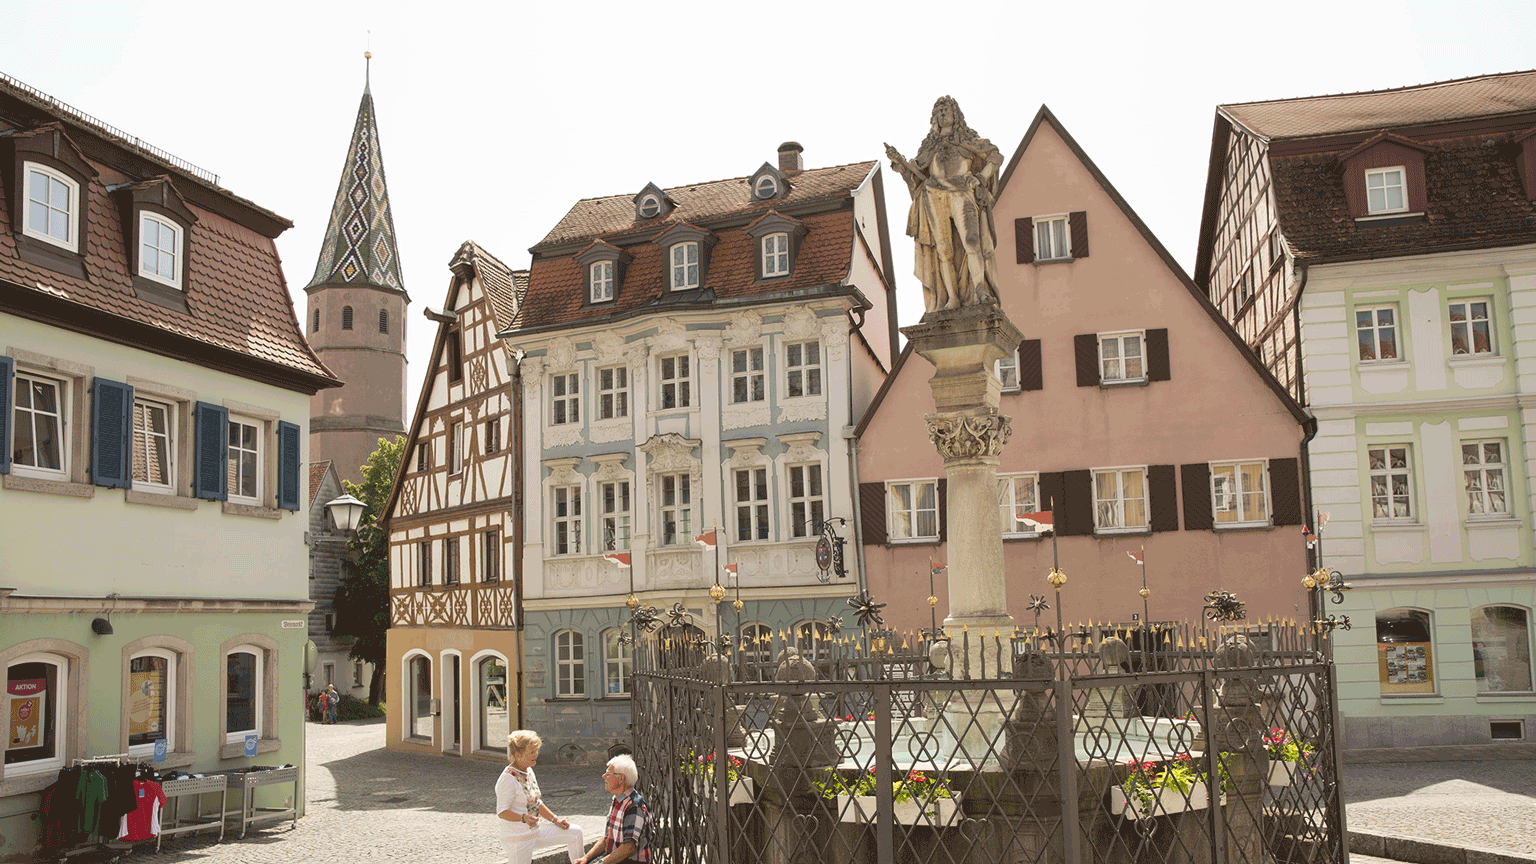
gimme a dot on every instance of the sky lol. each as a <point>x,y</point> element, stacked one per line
<point>494,118</point>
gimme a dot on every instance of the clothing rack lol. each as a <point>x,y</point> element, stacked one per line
<point>114,759</point>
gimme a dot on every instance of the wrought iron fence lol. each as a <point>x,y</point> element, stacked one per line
<point>1162,743</point>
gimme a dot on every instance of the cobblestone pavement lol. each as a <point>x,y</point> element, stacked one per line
<point>1485,805</point>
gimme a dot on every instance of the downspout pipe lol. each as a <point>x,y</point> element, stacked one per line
<point>516,362</point>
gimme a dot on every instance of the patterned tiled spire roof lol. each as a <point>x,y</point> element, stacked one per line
<point>359,243</point>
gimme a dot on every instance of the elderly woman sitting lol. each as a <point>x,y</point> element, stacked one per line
<point>526,824</point>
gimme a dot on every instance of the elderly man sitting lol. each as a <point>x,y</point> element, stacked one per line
<point>624,838</point>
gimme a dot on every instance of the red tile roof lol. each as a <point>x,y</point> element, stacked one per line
<point>316,477</point>
<point>504,287</point>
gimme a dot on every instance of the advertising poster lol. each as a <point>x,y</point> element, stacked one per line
<point>144,702</point>
<point>1405,667</point>
<point>28,702</point>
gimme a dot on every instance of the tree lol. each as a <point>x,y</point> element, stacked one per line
<point>362,600</point>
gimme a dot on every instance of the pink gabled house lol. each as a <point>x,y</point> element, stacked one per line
<point>1140,420</point>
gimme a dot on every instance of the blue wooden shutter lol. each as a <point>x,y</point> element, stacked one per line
<point>111,449</point>
<point>210,479</point>
<point>287,465</point>
<point>7,376</point>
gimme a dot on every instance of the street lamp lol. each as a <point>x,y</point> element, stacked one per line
<point>346,512</point>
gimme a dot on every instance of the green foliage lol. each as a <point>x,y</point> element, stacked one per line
<point>362,599</point>
<point>1284,747</point>
<point>916,786</point>
<point>356,709</point>
<point>1181,772</point>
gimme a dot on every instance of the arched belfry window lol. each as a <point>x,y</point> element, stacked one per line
<point>383,320</point>
<point>346,317</point>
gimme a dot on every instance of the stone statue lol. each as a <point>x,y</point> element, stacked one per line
<point>953,182</point>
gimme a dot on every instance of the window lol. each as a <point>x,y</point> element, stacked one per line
<point>456,448</point>
<point>1016,496</point>
<point>1245,286</point>
<point>807,500</point>
<point>1391,483</point>
<point>1122,357</point>
<point>1007,372</point>
<point>418,683</point>
<point>1471,326</point>
<point>1376,332</point>
<point>243,696</point>
<point>775,254</point>
<point>383,320</point>
<point>618,664</point>
<point>346,317</point>
<point>614,500</point>
<point>151,704</point>
<point>814,639</point>
<point>747,376</point>
<point>424,564</point>
<point>650,206</point>
<point>455,357</point>
<point>1405,652</point>
<point>423,456</point>
<point>766,186</point>
<point>756,652</point>
<point>244,461</point>
<point>40,420</point>
<point>570,665</point>
<point>1482,467</point>
<point>1051,238</point>
<point>35,691</point>
<point>490,557</point>
<point>52,202</point>
<point>450,560</point>
<point>565,509</point>
<point>1384,190</point>
<point>159,249</point>
<point>676,381</point>
<point>676,509</point>
<point>914,510</point>
<point>612,392</point>
<point>316,324</point>
<point>802,369</point>
<point>1120,499</point>
<point>1501,649</point>
<point>1238,493</point>
<point>685,266</point>
<point>752,504</point>
<point>492,436</point>
<point>565,399</point>
<point>601,275</point>
<point>153,450</point>
<point>494,723</point>
<point>357,673</point>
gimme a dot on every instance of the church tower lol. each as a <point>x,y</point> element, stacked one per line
<point>356,315</point>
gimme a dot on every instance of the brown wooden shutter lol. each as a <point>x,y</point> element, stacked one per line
<point>1285,491</point>
<point>1031,374</point>
<point>1196,480</point>
<point>1049,488</point>
<point>872,514</point>
<point>943,511</point>
<point>1086,347</point>
<point>1078,223</point>
<point>1157,355</point>
<point>1024,239</point>
<point>1076,509</point>
<point>1163,492</point>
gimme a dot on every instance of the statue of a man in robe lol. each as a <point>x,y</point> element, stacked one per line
<point>953,182</point>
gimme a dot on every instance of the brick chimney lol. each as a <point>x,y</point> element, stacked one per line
<point>789,157</point>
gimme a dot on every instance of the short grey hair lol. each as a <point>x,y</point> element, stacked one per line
<point>624,765</point>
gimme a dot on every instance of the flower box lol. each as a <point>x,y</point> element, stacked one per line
<point>743,791</point>
<point>1165,802</point>
<point>1280,772</point>
<point>937,813</point>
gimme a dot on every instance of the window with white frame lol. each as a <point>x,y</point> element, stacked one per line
<point>1376,333</point>
<point>1385,190</point>
<point>776,255</point>
<point>1007,371</point>
<point>1501,649</point>
<point>807,500</point>
<point>802,369</point>
<point>37,687</point>
<point>612,392</point>
<point>418,712</point>
<point>491,701</point>
<point>1017,495</point>
<point>613,498</point>
<point>756,652</point>
<point>565,399</point>
<point>151,707</point>
<point>1052,240</point>
<point>1122,356</point>
<point>243,696</point>
<point>601,275</point>
<point>1482,468</point>
<point>1391,482</point>
<point>676,509</point>
<point>618,663</point>
<point>1471,326</point>
<point>570,664</point>
<point>245,448</point>
<point>490,556</point>
<point>913,507</point>
<point>1119,499</point>
<point>565,511</point>
<point>40,420</point>
<point>52,201</point>
<point>159,249</point>
<point>747,376</point>
<point>154,451</point>
<point>424,564</point>
<point>751,503</point>
<point>450,560</point>
<point>685,266</point>
<point>676,381</point>
<point>1239,494</point>
<point>766,186</point>
<point>456,448</point>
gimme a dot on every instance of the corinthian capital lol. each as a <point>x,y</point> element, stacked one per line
<point>968,436</point>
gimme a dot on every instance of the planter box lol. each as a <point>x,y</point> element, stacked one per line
<point>1281,773</point>
<point>743,791</point>
<point>938,813</point>
<point>1165,802</point>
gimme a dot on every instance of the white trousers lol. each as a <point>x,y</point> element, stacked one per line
<point>520,849</point>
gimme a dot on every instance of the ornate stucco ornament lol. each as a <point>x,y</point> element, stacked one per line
<point>968,436</point>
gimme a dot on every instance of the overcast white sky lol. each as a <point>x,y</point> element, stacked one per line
<point>496,117</point>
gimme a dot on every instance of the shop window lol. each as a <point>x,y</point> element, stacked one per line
<point>35,693</point>
<point>494,725</point>
<point>151,702</point>
<point>1405,652</point>
<point>242,699</point>
<point>418,697</point>
<point>1501,649</point>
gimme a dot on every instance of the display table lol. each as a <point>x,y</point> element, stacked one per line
<point>245,781</point>
<point>197,787</point>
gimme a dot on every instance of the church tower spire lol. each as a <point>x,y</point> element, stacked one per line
<point>356,315</point>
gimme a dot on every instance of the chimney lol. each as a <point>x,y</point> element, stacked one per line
<point>789,156</point>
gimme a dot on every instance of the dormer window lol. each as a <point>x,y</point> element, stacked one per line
<point>650,206</point>
<point>766,187</point>
<point>768,182</point>
<point>1385,190</point>
<point>685,251</point>
<point>685,266</point>
<point>600,278</point>
<point>52,200</point>
<point>778,243</point>
<point>1384,179</point>
<point>603,263</point>
<point>47,184</point>
<point>776,255</point>
<point>159,250</point>
<point>157,227</point>
<point>652,202</point>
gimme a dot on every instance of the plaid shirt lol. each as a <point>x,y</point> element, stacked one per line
<point>627,822</point>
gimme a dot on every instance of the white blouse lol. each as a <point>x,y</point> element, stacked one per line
<point>520,795</point>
